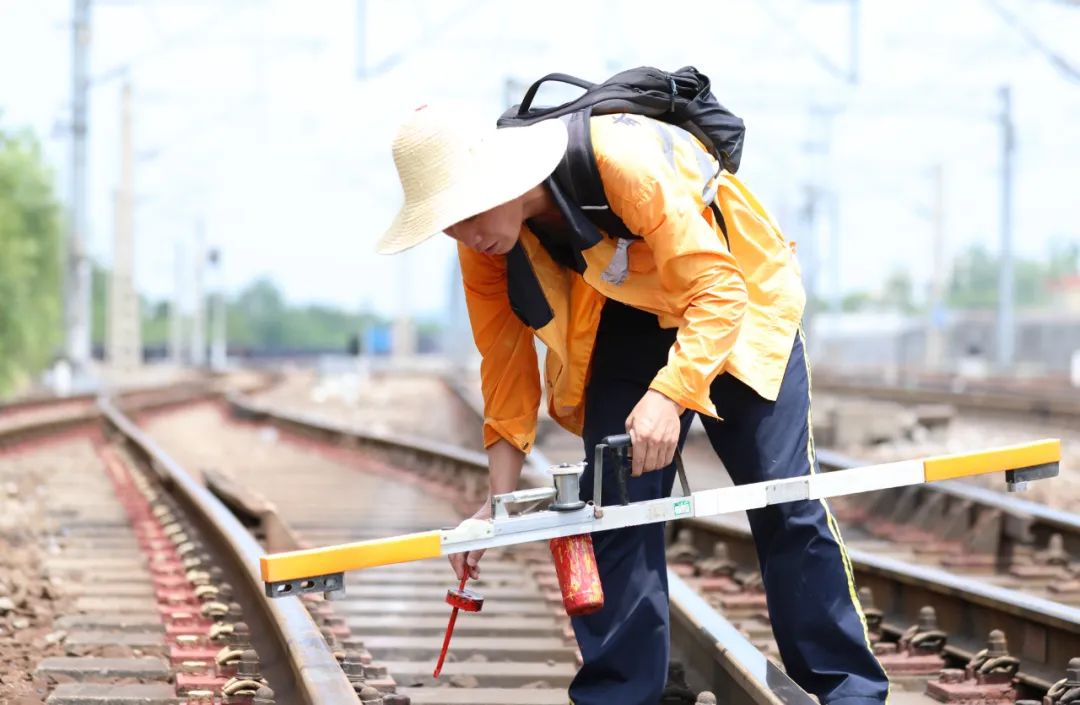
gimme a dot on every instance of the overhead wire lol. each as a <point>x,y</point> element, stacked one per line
<point>1058,60</point>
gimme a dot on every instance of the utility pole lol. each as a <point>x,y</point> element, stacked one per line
<point>935,332</point>
<point>361,39</point>
<point>1006,326</point>
<point>457,338</point>
<point>823,207</point>
<point>809,253</point>
<point>853,42</point>
<point>198,322</point>
<point>124,339</point>
<point>77,270</point>
<point>218,346</point>
<point>403,331</point>
<point>176,320</point>
<point>836,298</point>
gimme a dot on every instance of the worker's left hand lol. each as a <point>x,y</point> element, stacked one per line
<point>654,429</point>
<point>470,560</point>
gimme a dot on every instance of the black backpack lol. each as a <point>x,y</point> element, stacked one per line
<point>682,98</point>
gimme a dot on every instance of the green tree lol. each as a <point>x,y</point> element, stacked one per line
<point>973,283</point>
<point>155,322</point>
<point>260,311</point>
<point>974,280</point>
<point>260,318</point>
<point>99,304</point>
<point>30,266</point>
<point>856,301</point>
<point>1064,258</point>
<point>897,294</point>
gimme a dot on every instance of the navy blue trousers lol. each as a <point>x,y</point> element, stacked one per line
<point>815,614</point>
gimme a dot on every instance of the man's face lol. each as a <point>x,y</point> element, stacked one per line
<point>493,232</point>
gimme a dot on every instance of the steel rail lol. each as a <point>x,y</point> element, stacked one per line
<point>13,435</point>
<point>36,402</point>
<point>136,398</point>
<point>286,625</point>
<point>730,666</point>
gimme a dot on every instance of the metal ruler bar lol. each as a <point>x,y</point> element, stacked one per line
<point>1021,463</point>
<point>549,525</point>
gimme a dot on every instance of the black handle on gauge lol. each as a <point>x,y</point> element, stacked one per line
<point>620,447</point>
<point>619,440</point>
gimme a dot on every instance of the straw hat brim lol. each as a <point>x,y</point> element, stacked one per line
<point>504,166</point>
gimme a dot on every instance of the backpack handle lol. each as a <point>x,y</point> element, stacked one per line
<point>526,102</point>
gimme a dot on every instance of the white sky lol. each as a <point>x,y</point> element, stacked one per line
<point>251,118</point>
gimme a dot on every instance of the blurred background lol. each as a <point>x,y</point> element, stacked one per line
<point>187,183</point>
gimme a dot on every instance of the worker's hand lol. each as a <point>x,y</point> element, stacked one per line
<point>654,428</point>
<point>470,560</point>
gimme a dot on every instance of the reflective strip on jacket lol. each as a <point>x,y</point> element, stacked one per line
<point>736,310</point>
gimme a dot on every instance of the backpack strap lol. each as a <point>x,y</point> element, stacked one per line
<point>579,178</point>
<point>579,194</point>
<point>582,232</point>
<point>721,222</point>
<point>524,291</point>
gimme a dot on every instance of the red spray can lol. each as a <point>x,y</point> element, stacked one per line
<point>579,579</point>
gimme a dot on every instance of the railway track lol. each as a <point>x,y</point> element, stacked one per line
<point>133,584</point>
<point>21,421</point>
<point>334,483</point>
<point>1043,400</point>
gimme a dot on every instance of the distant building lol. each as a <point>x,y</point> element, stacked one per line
<point>1045,340</point>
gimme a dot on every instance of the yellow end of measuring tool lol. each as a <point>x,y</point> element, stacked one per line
<point>1016,459</point>
<point>322,569</point>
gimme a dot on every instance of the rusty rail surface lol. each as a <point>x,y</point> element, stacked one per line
<point>41,400</point>
<point>294,639</point>
<point>135,399</point>
<point>141,399</point>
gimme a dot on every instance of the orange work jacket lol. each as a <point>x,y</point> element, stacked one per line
<point>736,302</point>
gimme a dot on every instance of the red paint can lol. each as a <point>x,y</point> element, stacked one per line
<point>579,579</point>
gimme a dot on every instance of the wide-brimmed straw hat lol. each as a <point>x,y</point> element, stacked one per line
<point>452,166</point>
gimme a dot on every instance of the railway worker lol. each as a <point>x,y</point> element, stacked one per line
<point>641,335</point>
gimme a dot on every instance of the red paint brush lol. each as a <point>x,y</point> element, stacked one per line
<point>459,599</point>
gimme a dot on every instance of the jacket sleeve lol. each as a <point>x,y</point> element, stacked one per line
<point>509,372</point>
<point>694,265</point>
